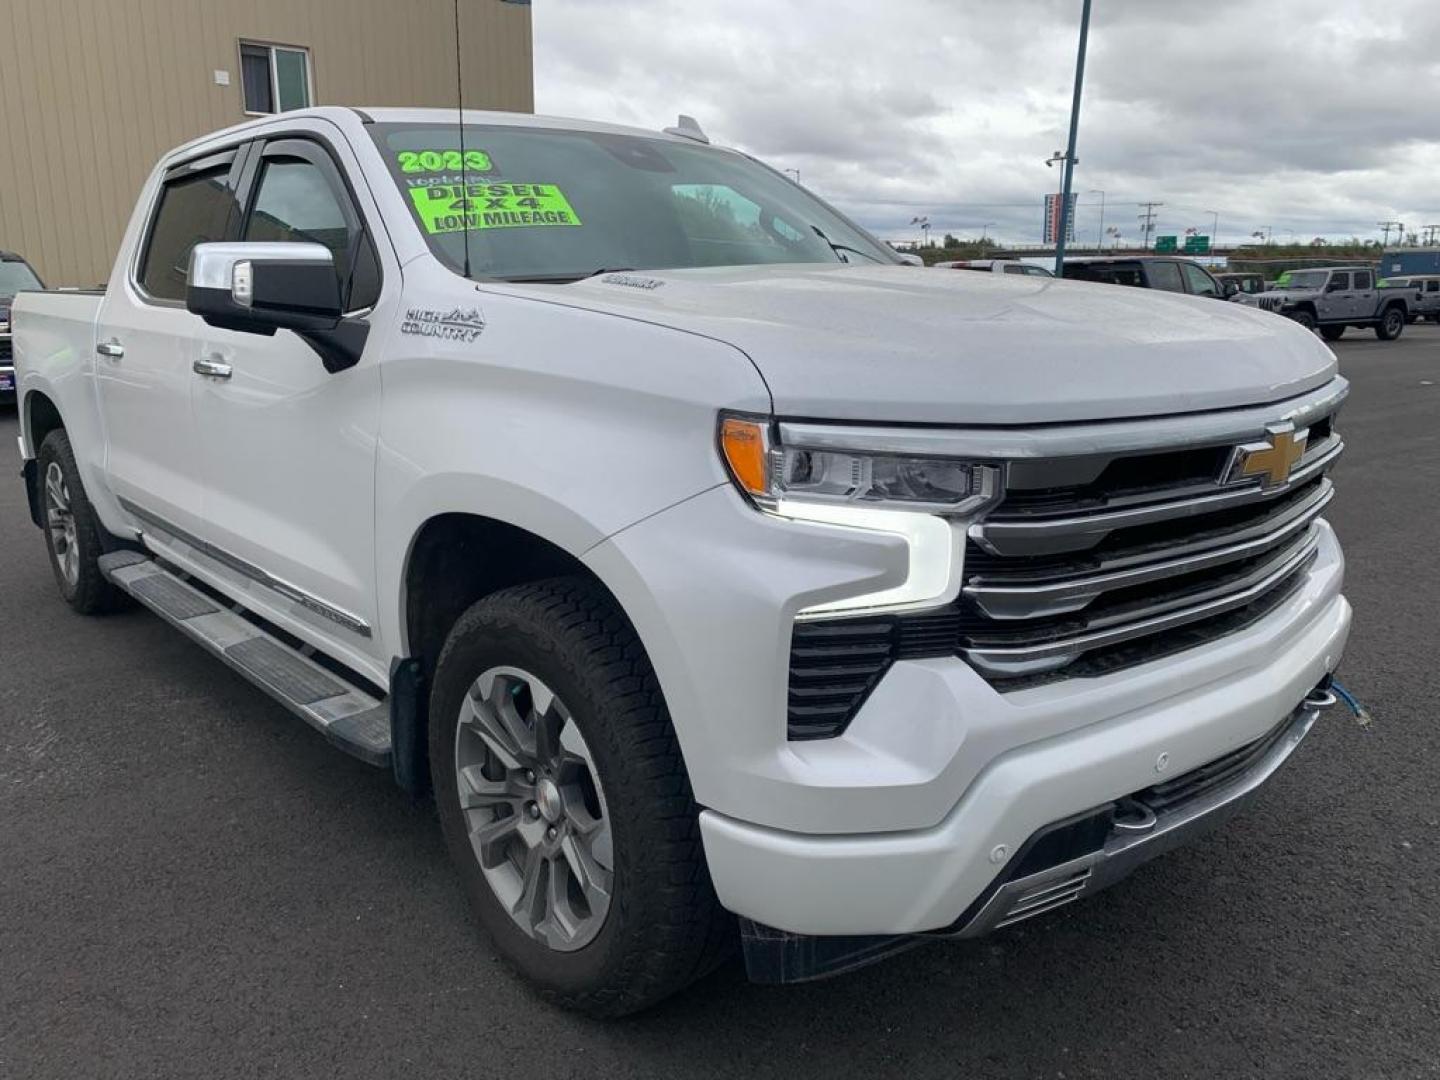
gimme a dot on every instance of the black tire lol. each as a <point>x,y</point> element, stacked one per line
<point>1391,324</point>
<point>88,593</point>
<point>1304,318</point>
<point>664,927</point>
<point>1332,333</point>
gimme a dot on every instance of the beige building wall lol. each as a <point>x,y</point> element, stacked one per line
<point>92,92</point>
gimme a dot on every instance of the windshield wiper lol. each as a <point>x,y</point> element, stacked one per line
<point>840,249</point>
<point>564,279</point>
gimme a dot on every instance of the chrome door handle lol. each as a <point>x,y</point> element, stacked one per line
<point>213,369</point>
<point>112,349</point>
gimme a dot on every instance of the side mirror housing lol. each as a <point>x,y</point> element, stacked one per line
<point>909,259</point>
<point>1231,288</point>
<point>258,288</point>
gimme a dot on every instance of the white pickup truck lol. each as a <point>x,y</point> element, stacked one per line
<point>724,578</point>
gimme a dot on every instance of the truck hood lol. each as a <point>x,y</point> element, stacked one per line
<point>910,345</point>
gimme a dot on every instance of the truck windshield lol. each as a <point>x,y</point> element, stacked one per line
<point>14,276</point>
<point>557,206</point>
<point>1305,279</point>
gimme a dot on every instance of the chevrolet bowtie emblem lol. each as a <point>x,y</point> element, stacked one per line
<point>1271,460</point>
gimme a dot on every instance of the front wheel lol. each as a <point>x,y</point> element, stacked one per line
<point>1391,324</point>
<point>1332,333</point>
<point>1304,318</point>
<point>72,530</point>
<point>565,803</point>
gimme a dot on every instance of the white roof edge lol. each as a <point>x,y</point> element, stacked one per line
<point>345,114</point>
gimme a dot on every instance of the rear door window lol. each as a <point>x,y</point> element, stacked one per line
<point>193,209</point>
<point>1166,275</point>
<point>1362,279</point>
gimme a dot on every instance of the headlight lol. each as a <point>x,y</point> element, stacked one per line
<point>772,475</point>
<point>917,498</point>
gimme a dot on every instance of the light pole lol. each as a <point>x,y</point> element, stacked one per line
<point>1070,160</point>
<point>795,172</point>
<point>1214,229</point>
<point>924,223</point>
<point>985,231</point>
<point>1100,232</point>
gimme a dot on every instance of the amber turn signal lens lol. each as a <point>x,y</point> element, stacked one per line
<point>744,445</point>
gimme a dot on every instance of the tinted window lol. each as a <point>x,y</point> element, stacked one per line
<point>1198,281</point>
<point>1432,286</point>
<point>14,276</point>
<point>1362,279</point>
<point>1339,282</point>
<point>192,210</point>
<point>557,205</point>
<point>1037,271</point>
<point>1165,275</point>
<point>297,202</point>
<point>1015,269</point>
<point>1109,273</point>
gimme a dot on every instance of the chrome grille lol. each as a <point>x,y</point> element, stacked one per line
<point>1132,556</point>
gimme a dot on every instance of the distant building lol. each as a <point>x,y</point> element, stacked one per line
<point>1411,260</point>
<point>94,91</point>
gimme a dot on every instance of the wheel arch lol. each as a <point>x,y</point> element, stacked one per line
<point>453,560</point>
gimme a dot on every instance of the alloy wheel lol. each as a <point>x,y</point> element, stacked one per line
<point>60,524</point>
<point>534,808</point>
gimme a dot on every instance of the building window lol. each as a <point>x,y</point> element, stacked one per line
<point>275,78</point>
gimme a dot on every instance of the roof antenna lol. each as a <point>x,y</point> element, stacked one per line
<point>687,128</point>
<point>460,126</point>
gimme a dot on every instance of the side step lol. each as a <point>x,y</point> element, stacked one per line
<point>353,719</point>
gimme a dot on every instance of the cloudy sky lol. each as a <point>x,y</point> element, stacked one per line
<point>1311,117</point>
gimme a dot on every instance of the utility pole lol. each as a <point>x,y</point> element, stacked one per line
<point>1100,232</point>
<point>1070,160</point>
<point>1387,226</point>
<point>1147,222</point>
<point>1430,231</point>
<point>1214,230</point>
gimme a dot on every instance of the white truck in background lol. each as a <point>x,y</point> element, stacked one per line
<point>724,578</point>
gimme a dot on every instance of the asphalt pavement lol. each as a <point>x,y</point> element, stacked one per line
<point>194,884</point>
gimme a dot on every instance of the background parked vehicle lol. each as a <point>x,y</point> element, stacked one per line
<point>1232,284</point>
<point>1334,298</point>
<point>1427,294</point>
<point>995,266</point>
<point>1147,272</point>
<point>15,274</point>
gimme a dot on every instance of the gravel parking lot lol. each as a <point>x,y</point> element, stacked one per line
<point>192,883</point>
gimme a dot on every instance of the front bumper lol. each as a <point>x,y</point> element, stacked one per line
<point>925,880</point>
<point>1065,862</point>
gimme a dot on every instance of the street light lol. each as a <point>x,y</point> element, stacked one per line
<point>1115,232</point>
<point>1069,157</point>
<point>1100,232</point>
<point>795,173</point>
<point>985,229</point>
<point>924,223</point>
<point>1214,229</point>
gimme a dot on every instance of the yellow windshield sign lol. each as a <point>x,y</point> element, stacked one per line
<point>447,208</point>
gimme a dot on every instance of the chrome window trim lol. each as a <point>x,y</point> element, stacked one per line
<point>1068,440</point>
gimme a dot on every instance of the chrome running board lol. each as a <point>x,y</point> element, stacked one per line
<point>354,719</point>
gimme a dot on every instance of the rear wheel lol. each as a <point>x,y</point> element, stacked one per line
<point>1332,333</point>
<point>1304,318</point>
<point>72,530</point>
<point>1391,324</point>
<point>565,802</point>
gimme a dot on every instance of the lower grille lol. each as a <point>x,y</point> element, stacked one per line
<point>7,355</point>
<point>1197,782</point>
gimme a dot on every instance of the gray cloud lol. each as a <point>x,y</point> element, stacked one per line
<point>1309,118</point>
